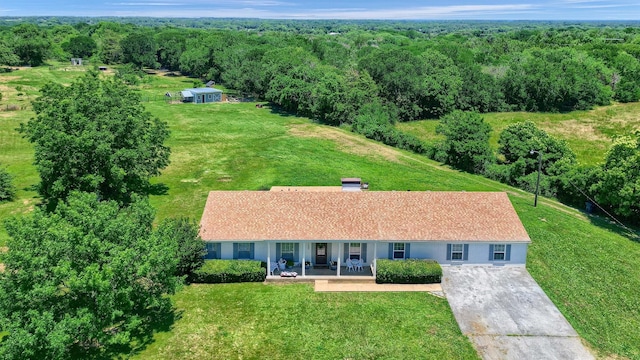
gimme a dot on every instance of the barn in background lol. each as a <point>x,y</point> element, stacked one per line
<point>201,95</point>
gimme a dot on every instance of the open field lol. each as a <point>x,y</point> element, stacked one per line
<point>588,133</point>
<point>587,267</point>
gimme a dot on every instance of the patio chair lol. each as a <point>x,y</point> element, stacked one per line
<point>273,267</point>
<point>358,265</point>
<point>349,264</point>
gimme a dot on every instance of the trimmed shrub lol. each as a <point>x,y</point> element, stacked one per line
<point>229,271</point>
<point>410,271</point>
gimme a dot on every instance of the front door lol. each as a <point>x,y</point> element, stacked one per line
<point>321,254</point>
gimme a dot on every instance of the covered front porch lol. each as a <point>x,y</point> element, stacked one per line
<point>322,259</point>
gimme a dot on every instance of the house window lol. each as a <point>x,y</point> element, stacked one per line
<point>457,251</point>
<point>244,251</point>
<point>398,250</point>
<point>212,251</point>
<point>499,252</point>
<point>354,251</point>
<point>286,251</point>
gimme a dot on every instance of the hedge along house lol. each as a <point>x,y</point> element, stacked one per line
<point>453,228</point>
<point>201,95</point>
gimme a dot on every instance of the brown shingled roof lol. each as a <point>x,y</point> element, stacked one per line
<point>361,216</point>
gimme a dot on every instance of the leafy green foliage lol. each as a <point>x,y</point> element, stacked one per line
<point>619,183</point>
<point>410,271</point>
<point>519,166</point>
<point>7,56</point>
<point>230,271</point>
<point>190,248</point>
<point>139,48</point>
<point>80,46</point>
<point>556,80</point>
<point>466,145</point>
<point>375,122</point>
<point>7,189</point>
<point>30,44</point>
<point>94,136</point>
<point>88,276</point>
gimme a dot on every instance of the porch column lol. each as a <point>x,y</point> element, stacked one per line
<point>304,248</point>
<point>339,258</point>
<point>268,258</point>
<point>375,257</point>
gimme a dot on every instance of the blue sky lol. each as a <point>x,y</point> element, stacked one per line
<point>359,9</point>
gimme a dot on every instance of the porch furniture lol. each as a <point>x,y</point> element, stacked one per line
<point>288,274</point>
<point>349,264</point>
<point>273,267</point>
<point>358,265</point>
<point>282,263</point>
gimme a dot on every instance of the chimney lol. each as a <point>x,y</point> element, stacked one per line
<point>351,184</point>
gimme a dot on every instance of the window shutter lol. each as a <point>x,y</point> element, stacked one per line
<point>278,251</point>
<point>448,251</point>
<point>407,250</point>
<point>507,256</point>
<point>390,251</point>
<point>491,252</point>
<point>235,250</point>
<point>465,252</point>
<point>346,251</point>
<point>363,253</point>
<point>252,250</point>
<point>329,252</point>
<point>296,252</point>
<point>218,251</point>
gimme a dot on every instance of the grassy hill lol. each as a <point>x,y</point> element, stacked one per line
<point>588,133</point>
<point>588,267</point>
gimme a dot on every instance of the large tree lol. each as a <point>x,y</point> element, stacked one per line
<point>466,144</point>
<point>80,46</point>
<point>140,49</point>
<point>82,278</point>
<point>30,43</point>
<point>520,167</point>
<point>619,184</point>
<point>95,136</point>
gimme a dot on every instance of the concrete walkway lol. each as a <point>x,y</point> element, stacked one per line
<point>335,286</point>
<point>507,315</point>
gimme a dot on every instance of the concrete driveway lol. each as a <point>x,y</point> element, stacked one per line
<point>507,315</point>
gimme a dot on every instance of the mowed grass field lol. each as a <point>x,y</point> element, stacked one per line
<point>588,133</point>
<point>258,321</point>
<point>589,268</point>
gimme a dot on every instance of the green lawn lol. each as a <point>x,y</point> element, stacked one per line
<point>257,321</point>
<point>588,133</point>
<point>589,269</point>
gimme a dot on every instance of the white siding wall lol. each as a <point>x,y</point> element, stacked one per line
<point>478,252</point>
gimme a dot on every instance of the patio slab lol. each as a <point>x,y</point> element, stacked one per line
<point>334,286</point>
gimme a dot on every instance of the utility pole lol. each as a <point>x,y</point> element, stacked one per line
<point>535,201</point>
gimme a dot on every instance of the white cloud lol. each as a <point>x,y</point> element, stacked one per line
<point>428,12</point>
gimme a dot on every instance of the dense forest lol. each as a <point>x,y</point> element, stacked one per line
<point>368,75</point>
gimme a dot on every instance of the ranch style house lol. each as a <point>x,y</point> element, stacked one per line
<point>321,230</point>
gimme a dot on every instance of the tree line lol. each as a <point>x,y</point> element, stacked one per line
<point>86,274</point>
<point>370,75</point>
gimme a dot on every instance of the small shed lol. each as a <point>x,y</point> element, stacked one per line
<point>210,83</point>
<point>201,95</point>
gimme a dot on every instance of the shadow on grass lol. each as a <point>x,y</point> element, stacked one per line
<point>158,320</point>
<point>157,189</point>
<point>275,109</point>
<point>630,232</point>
